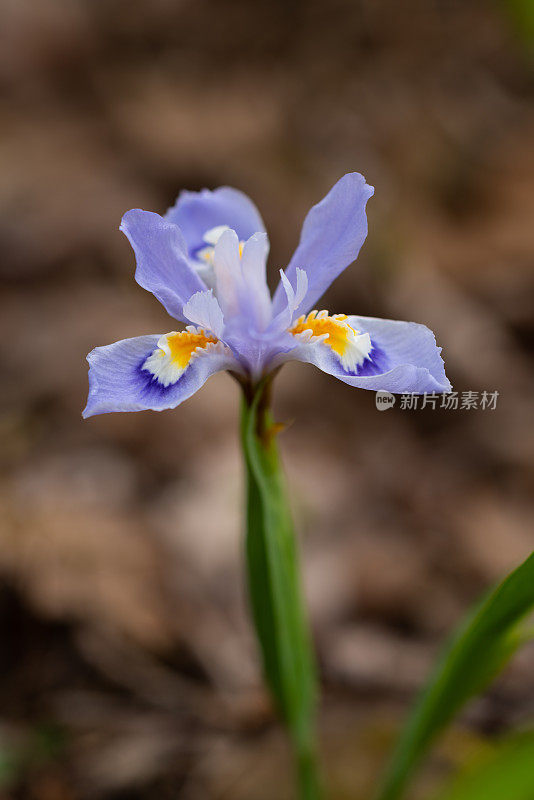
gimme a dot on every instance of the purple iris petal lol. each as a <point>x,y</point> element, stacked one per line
<point>253,268</point>
<point>404,358</point>
<point>203,309</point>
<point>332,235</point>
<point>162,264</point>
<point>294,298</point>
<point>198,212</point>
<point>118,382</point>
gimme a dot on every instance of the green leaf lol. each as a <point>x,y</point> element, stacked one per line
<point>275,589</point>
<point>521,16</point>
<point>476,654</point>
<point>506,775</point>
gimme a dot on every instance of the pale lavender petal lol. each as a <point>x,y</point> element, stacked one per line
<point>226,264</point>
<point>404,358</point>
<point>332,235</point>
<point>203,309</point>
<point>163,267</point>
<point>253,270</point>
<point>302,288</point>
<point>118,382</point>
<point>198,212</point>
<point>294,297</point>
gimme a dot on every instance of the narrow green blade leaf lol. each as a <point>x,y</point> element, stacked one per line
<point>476,654</point>
<point>275,590</point>
<point>506,775</point>
<point>521,15</point>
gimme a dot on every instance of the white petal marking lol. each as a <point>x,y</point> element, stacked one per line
<point>175,352</point>
<point>349,345</point>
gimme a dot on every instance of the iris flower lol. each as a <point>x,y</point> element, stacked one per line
<point>205,261</point>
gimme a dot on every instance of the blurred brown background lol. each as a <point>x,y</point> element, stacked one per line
<point>128,668</point>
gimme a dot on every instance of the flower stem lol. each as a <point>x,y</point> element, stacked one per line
<point>275,587</point>
<point>308,775</point>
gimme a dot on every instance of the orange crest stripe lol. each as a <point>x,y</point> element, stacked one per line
<point>320,323</point>
<point>183,344</point>
<point>175,352</point>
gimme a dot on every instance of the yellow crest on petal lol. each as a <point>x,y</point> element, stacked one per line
<point>175,351</point>
<point>349,345</point>
<point>182,345</point>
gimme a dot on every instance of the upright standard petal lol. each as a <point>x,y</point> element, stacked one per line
<point>332,235</point>
<point>204,310</point>
<point>240,282</point>
<point>197,213</point>
<point>228,276</point>
<point>398,357</point>
<point>253,269</point>
<point>163,267</point>
<point>152,372</point>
